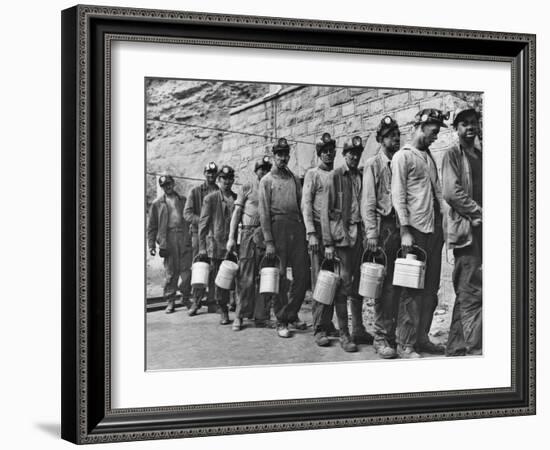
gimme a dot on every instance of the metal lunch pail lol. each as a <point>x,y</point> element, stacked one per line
<point>409,271</point>
<point>226,273</point>
<point>269,277</point>
<point>372,275</point>
<point>200,270</point>
<point>326,285</point>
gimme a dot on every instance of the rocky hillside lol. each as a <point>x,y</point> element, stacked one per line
<point>174,107</point>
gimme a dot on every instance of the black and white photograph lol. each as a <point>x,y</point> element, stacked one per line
<point>310,224</point>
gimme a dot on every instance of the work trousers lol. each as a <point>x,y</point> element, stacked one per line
<point>221,295</point>
<point>349,267</point>
<point>465,331</point>
<point>386,306</point>
<point>322,317</point>
<point>416,306</point>
<point>198,293</point>
<point>250,304</point>
<point>177,265</point>
<point>290,246</point>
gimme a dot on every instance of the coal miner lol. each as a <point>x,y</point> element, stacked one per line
<point>214,222</point>
<point>416,197</point>
<point>250,304</point>
<point>284,234</point>
<point>382,231</point>
<point>461,175</point>
<point>342,230</point>
<point>191,213</point>
<point>167,228</point>
<point>315,186</point>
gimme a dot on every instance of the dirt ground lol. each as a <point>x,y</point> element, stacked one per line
<point>177,341</point>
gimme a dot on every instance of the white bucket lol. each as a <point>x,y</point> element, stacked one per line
<point>226,274</point>
<point>372,276</point>
<point>410,272</point>
<point>325,287</point>
<point>269,278</point>
<point>200,271</point>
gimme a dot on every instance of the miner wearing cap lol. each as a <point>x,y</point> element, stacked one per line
<point>315,185</point>
<point>342,230</point>
<point>284,234</point>
<point>251,249</point>
<point>461,174</point>
<point>381,231</point>
<point>214,222</point>
<point>191,213</point>
<point>167,228</point>
<point>417,199</point>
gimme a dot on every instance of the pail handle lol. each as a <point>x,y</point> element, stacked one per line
<point>231,256</point>
<point>417,247</point>
<point>264,258</point>
<point>204,258</point>
<point>336,262</point>
<point>378,250</point>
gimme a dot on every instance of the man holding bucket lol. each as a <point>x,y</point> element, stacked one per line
<point>284,234</point>
<point>191,213</point>
<point>214,222</point>
<point>251,249</point>
<point>416,197</point>
<point>461,174</point>
<point>167,227</point>
<point>342,230</point>
<point>315,185</point>
<point>381,230</point>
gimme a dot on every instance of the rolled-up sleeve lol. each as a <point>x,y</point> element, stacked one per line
<point>264,202</point>
<point>369,202</point>
<point>399,187</point>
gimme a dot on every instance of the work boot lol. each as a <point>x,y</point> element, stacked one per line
<point>384,350</point>
<point>407,352</point>
<point>321,339</point>
<point>360,336</point>
<point>282,331</point>
<point>224,316</point>
<point>429,347</point>
<point>332,330</point>
<point>170,307</point>
<point>195,305</point>
<point>237,324</point>
<point>347,344</point>
<point>299,325</point>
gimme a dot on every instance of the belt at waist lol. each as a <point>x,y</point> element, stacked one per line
<point>176,229</point>
<point>250,227</point>
<point>286,218</point>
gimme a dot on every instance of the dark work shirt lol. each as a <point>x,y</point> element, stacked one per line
<point>477,170</point>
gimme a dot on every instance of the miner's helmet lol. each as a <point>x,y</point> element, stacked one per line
<point>431,115</point>
<point>355,146</point>
<point>461,112</point>
<point>264,163</point>
<point>211,167</point>
<point>164,179</point>
<point>326,143</point>
<point>227,172</point>
<point>385,127</point>
<point>281,146</point>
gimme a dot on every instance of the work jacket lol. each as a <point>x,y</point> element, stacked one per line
<point>192,210</point>
<point>376,198</point>
<point>414,186</point>
<point>315,183</point>
<point>337,225</point>
<point>457,183</point>
<point>214,223</point>
<point>157,225</point>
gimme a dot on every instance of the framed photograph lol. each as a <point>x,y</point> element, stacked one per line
<point>279,224</point>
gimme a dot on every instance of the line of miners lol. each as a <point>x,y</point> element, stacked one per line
<point>395,203</point>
